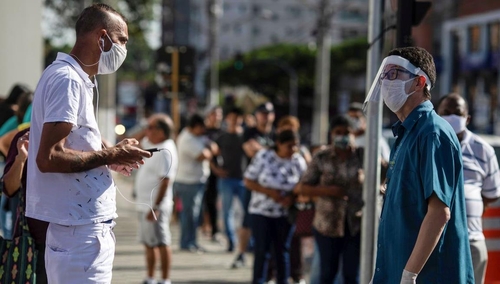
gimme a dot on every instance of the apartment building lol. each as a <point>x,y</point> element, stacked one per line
<point>245,25</point>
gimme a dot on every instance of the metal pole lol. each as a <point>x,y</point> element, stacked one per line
<point>175,88</point>
<point>214,12</point>
<point>322,77</point>
<point>371,211</point>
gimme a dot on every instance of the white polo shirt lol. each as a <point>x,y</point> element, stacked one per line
<point>481,178</point>
<point>64,93</point>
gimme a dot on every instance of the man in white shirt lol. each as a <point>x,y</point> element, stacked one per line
<point>153,185</point>
<point>69,182</point>
<point>481,177</point>
<point>194,168</point>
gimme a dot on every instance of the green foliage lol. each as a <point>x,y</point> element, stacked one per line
<point>262,75</point>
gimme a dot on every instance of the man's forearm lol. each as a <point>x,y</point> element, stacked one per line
<point>162,190</point>
<point>255,186</point>
<point>71,161</point>
<point>428,236</point>
<point>12,179</point>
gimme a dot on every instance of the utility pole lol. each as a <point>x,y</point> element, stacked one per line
<point>322,76</point>
<point>214,13</point>
<point>371,163</point>
<point>175,87</point>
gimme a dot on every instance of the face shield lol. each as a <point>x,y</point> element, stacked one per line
<point>390,69</point>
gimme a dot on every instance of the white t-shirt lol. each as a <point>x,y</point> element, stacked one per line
<point>271,171</point>
<point>162,164</point>
<point>481,178</point>
<point>64,93</point>
<point>191,171</point>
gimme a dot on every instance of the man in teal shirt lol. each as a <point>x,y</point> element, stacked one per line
<point>423,227</point>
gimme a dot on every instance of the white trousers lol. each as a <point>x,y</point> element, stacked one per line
<point>80,254</point>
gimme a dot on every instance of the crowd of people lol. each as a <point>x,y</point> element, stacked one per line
<point>262,167</point>
<point>436,181</point>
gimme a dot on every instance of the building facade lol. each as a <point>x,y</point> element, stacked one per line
<point>464,38</point>
<point>245,25</point>
<point>470,53</point>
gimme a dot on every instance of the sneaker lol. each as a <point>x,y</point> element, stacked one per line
<point>216,239</point>
<point>239,261</point>
<point>194,249</point>
<point>197,249</point>
<point>301,281</point>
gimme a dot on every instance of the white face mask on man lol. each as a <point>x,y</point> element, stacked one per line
<point>394,93</point>
<point>112,59</point>
<point>458,123</point>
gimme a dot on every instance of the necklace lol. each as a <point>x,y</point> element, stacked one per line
<point>86,65</point>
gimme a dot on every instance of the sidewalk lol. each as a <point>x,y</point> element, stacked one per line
<point>129,265</point>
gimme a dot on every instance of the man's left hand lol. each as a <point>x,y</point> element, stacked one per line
<point>125,170</point>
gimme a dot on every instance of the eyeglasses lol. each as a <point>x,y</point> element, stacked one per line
<point>392,74</point>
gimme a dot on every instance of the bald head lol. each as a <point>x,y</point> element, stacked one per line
<point>163,122</point>
<point>453,104</point>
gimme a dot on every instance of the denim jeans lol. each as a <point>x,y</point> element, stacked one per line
<point>315,269</point>
<point>229,188</point>
<point>271,233</point>
<point>191,196</point>
<point>331,250</point>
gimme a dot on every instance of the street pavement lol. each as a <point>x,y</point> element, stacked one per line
<point>212,266</point>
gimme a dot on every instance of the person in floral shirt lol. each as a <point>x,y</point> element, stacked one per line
<point>336,177</point>
<point>271,176</point>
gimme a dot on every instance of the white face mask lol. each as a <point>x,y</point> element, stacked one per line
<point>457,122</point>
<point>394,93</point>
<point>112,59</point>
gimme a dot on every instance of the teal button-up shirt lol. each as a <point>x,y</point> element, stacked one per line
<point>426,158</point>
